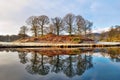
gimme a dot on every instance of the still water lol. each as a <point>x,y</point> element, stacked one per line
<point>60,64</point>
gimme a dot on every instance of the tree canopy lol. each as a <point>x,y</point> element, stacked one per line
<point>70,23</point>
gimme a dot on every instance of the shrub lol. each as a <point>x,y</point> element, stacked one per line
<point>76,40</point>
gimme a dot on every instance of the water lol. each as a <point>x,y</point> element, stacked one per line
<point>60,64</point>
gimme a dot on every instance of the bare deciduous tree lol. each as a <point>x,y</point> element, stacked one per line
<point>58,24</point>
<point>69,21</point>
<point>80,22</point>
<point>87,27</point>
<point>33,22</point>
<point>43,20</point>
<point>23,31</point>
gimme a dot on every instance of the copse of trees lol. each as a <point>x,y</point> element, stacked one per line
<point>71,24</point>
<point>112,35</point>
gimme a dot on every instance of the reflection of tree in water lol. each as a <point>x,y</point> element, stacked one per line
<point>114,54</point>
<point>84,62</point>
<point>37,66</point>
<point>23,58</point>
<point>42,68</point>
<point>68,68</point>
<point>70,65</point>
<point>57,64</point>
<point>77,65</point>
<point>33,67</point>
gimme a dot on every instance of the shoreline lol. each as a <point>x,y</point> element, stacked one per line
<point>59,45</point>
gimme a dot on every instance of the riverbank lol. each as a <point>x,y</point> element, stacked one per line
<point>61,45</point>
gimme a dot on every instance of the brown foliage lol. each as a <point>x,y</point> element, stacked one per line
<point>52,38</point>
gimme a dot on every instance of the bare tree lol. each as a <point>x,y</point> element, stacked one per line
<point>43,20</point>
<point>50,29</point>
<point>23,31</point>
<point>33,22</point>
<point>87,27</point>
<point>69,21</point>
<point>58,24</point>
<point>80,22</point>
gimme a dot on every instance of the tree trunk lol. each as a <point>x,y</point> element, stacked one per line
<point>42,30</point>
<point>70,31</point>
<point>57,30</point>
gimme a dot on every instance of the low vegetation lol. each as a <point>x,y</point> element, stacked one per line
<point>52,38</point>
<point>113,35</point>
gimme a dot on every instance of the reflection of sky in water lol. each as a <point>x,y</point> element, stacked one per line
<point>101,67</point>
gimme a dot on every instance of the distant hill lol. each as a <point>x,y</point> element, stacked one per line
<point>8,38</point>
<point>95,36</point>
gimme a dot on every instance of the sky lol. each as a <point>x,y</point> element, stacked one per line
<point>14,13</point>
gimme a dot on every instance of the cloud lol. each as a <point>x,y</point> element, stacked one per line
<point>51,8</point>
<point>12,6</point>
<point>104,7</point>
<point>13,13</point>
<point>10,9</point>
<point>99,30</point>
<point>9,20</point>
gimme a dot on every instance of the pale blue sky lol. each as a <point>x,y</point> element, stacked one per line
<point>103,13</point>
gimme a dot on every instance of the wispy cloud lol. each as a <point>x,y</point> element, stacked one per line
<point>13,13</point>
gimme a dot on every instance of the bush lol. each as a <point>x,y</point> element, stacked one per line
<point>76,40</point>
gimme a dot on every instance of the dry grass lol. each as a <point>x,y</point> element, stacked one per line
<point>51,38</point>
